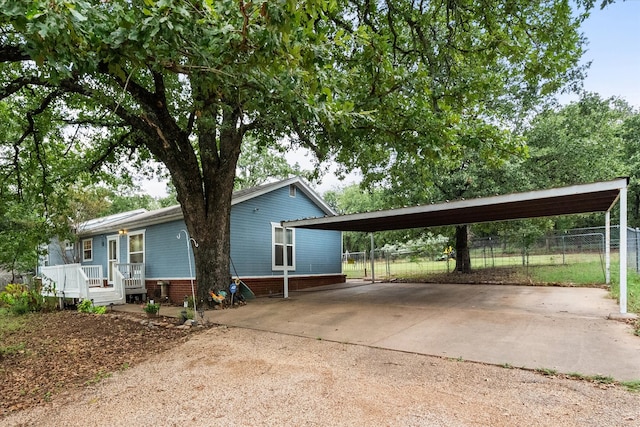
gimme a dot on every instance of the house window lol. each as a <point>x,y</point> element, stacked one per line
<point>279,243</point>
<point>136,247</point>
<point>68,246</point>
<point>292,190</point>
<point>87,250</point>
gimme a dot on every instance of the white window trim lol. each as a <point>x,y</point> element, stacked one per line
<point>84,250</point>
<point>144,245</point>
<point>69,246</point>
<point>293,190</point>
<point>274,267</point>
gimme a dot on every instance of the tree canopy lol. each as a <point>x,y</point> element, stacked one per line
<point>368,83</point>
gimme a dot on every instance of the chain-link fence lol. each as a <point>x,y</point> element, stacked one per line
<point>559,257</point>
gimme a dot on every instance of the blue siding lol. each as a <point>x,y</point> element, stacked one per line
<point>99,251</point>
<point>317,251</point>
<point>54,251</point>
<point>166,255</point>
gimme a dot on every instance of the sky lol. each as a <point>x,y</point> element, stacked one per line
<point>614,52</point>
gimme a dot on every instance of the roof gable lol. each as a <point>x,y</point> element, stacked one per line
<point>143,218</point>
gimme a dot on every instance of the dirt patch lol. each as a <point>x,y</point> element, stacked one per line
<point>63,351</point>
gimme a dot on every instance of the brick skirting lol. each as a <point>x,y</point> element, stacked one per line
<point>263,286</point>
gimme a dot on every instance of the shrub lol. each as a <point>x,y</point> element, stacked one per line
<point>151,308</point>
<point>21,299</point>
<point>86,306</point>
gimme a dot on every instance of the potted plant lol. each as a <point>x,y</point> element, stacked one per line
<point>151,309</point>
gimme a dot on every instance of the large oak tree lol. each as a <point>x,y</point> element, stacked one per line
<point>364,82</point>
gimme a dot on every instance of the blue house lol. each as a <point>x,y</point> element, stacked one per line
<point>144,253</point>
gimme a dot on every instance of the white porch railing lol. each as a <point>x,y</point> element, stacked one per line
<point>132,277</point>
<point>63,281</point>
<point>84,282</point>
<point>92,275</point>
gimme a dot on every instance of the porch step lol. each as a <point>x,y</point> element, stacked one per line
<point>105,296</point>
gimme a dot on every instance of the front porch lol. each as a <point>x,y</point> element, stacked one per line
<point>78,281</point>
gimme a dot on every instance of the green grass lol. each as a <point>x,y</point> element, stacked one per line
<point>9,324</point>
<point>571,269</point>
<point>422,266</point>
<point>633,292</point>
<point>6,350</point>
<point>547,372</point>
<point>632,385</point>
<point>99,376</point>
<point>584,273</point>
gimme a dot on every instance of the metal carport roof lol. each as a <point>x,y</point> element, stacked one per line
<point>581,198</point>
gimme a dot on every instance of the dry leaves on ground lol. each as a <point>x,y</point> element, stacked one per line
<point>62,351</point>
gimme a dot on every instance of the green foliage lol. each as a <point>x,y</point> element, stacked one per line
<point>22,299</point>
<point>633,288</point>
<point>99,376</point>
<point>632,385</point>
<point>582,273</point>
<point>151,308</point>
<point>369,84</point>
<point>9,323</point>
<point>630,134</point>
<point>86,306</point>
<point>258,164</point>
<point>577,143</point>
<point>11,349</point>
<point>547,372</point>
<point>429,246</point>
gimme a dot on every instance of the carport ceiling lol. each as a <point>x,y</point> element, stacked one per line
<point>583,198</point>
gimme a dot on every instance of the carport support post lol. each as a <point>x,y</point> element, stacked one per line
<point>607,246</point>
<point>623,250</point>
<point>285,264</point>
<point>373,260</point>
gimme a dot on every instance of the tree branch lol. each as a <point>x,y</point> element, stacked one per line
<point>10,53</point>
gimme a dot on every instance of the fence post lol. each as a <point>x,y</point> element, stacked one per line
<point>493,260</point>
<point>607,247</point>
<point>387,256</point>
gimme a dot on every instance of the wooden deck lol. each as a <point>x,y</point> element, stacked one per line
<point>88,282</point>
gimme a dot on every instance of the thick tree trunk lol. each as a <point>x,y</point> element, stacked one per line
<point>203,173</point>
<point>201,156</point>
<point>213,236</point>
<point>463,260</point>
<point>207,216</point>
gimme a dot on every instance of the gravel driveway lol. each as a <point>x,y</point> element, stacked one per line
<point>233,376</point>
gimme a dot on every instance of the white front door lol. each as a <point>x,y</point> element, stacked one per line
<point>113,256</point>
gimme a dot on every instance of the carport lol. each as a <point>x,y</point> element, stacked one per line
<point>575,199</point>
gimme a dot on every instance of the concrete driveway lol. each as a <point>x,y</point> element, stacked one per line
<point>563,329</point>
